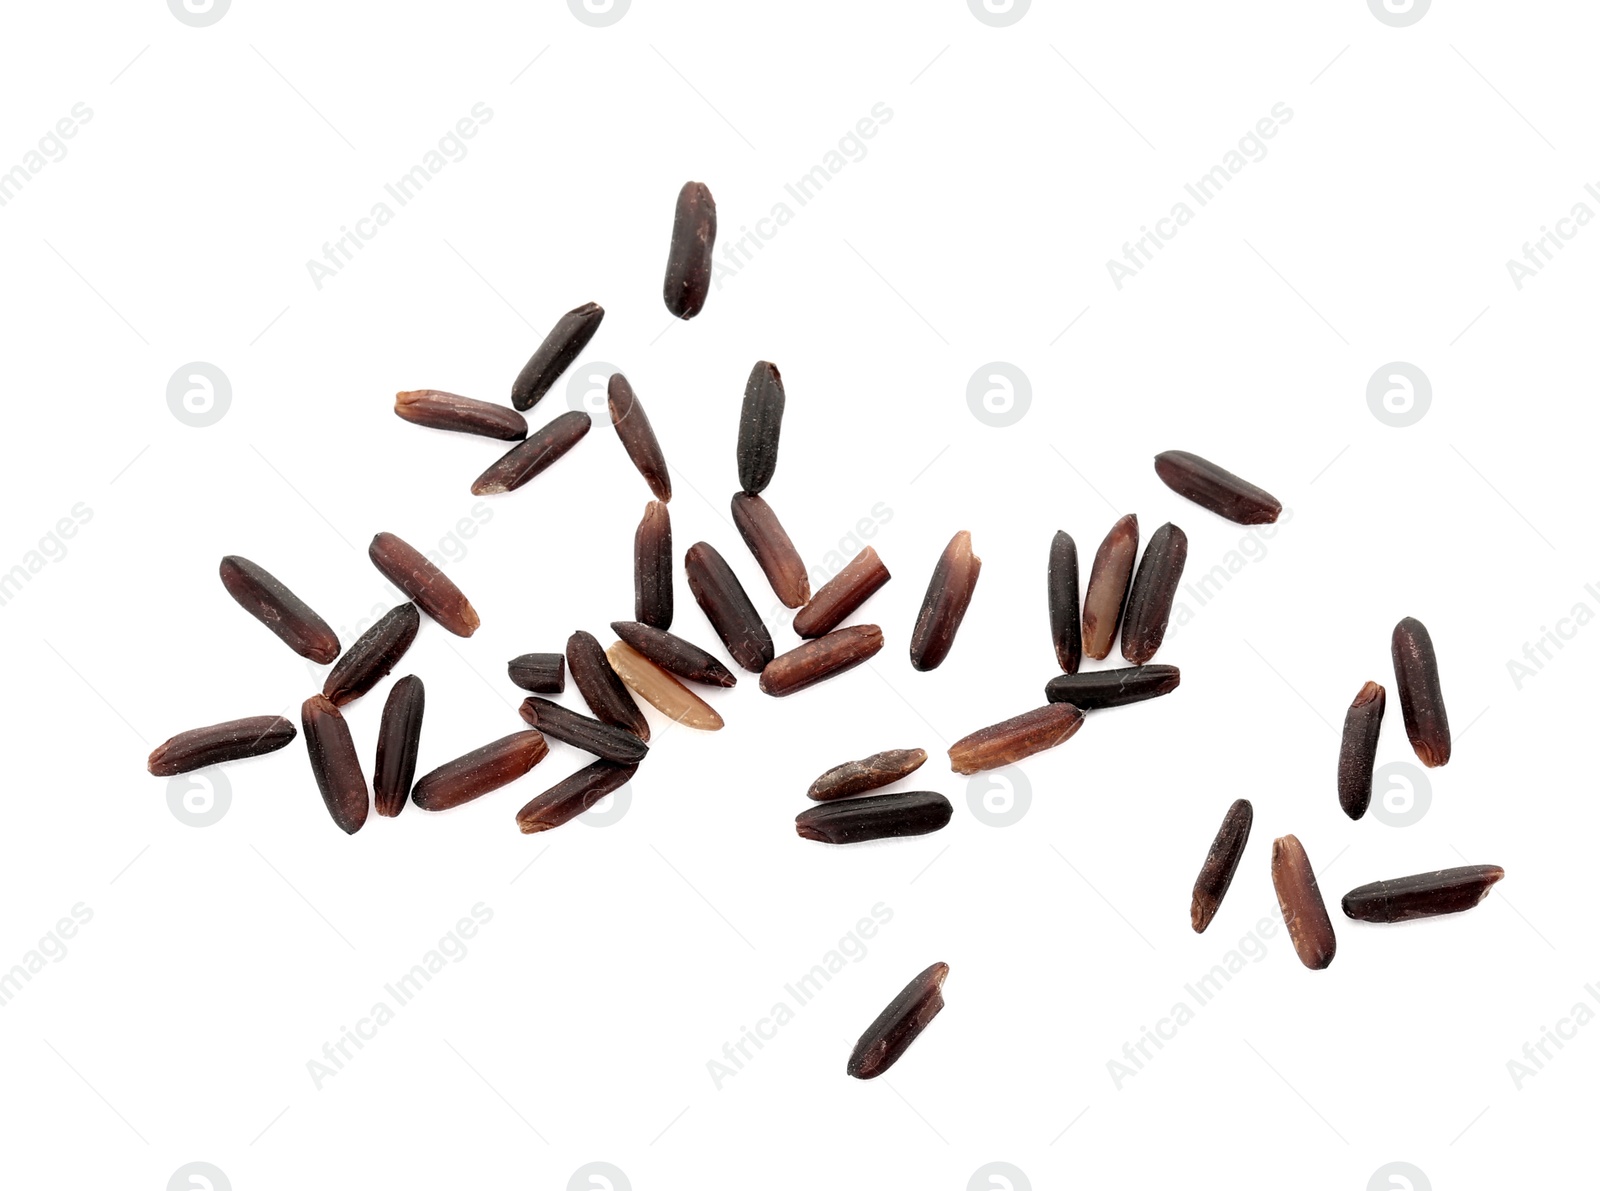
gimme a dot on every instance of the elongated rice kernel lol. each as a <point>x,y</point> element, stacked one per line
<point>606,741</point>
<point>814,661</point>
<point>1091,690</point>
<point>600,687</point>
<point>1066,627</point>
<point>527,459</point>
<point>253,736</point>
<point>399,734</point>
<point>1150,596</point>
<point>571,796</point>
<point>1217,489</point>
<point>842,595</point>
<point>484,769</point>
<point>638,436</point>
<point>722,598</point>
<point>560,348</point>
<point>694,235</point>
<point>673,654</point>
<point>374,654</point>
<point>897,1027</point>
<point>1222,861</point>
<point>780,562</point>
<point>760,421</point>
<point>439,410</point>
<point>1304,913</point>
<point>652,567</point>
<point>1012,740</point>
<point>1358,749</point>
<point>334,763</point>
<point>878,816</point>
<point>662,691</point>
<point>409,569</point>
<point>1108,586</point>
<point>854,777</point>
<point>1416,680</point>
<point>1425,895</point>
<point>259,593</point>
<point>955,576</point>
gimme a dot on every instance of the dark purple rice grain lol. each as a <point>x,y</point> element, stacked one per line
<point>955,577</point>
<point>1425,895</point>
<point>1416,680</point>
<point>253,736</point>
<point>334,763</point>
<point>1091,690</point>
<point>527,459</point>
<point>569,798</point>
<point>694,234</point>
<point>815,661</point>
<point>722,598</point>
<point>374,654</point>
<point>1222,861</point>
<point>399,734</point>
<point>638,436</point>
<point>439,410</point>
<point>1155,585</point>
<point>897,1027</point>
<point>550,359</point>
<point>259,593</point>
<point>1358,749</point>
<point>652,567</point>
<point>879,816</point>
<point>1108,586</point>
<point>429,588</point>
<point>760,421</point>
<point>674,654</point>
<point>484,769</point>
<point>1066,628</point>
<point>842,595</point>
<point>606,741</point>
<point>1214,488</point>
<point>600,687</point>
<point>780,562</point>
<point>541,673</point>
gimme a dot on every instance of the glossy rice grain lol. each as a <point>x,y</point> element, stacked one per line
<point>1416,680</point>
<point>569,798</point>
<point>760,421</point>
<point>560,348</point>
<point>1214,488</point>
<point>259,593</point>
<point>334,763</point>
<point>1425,895</point>
<point>1012,740</point>
<point>1091,690</point>
<point>429,588</point>
<point>879,816</point>
<point>605,741</point>
<point>638,436</point>
<point>673,654</point>
<point>1066,626</point>
<point>600,687</point>
<point>662,691</point>
<point>541,673</point>
<point>689,267</point>
<point>399,734</point>
<point>374,654</point>
<point>234,740</point>
<point>842,595</point>
<point>652,567</point>
<point>1358,749</point>
<point>897,1027</point>
<point>814,661</point>
<point>485,769</point>
<point>780,562</point>
<point>869,773</point>
<point>722,598</point>
<point>449,411</point>
<point>1304,913</point>
<point>1150,596</point>
<point>949,593</point>
<point>1108,586</point>
<point>527,459</point>
<point>1222,861</point>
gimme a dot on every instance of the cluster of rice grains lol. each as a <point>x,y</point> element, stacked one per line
<point>651,663</point>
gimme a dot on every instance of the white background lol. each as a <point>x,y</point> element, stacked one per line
<point>219,960</point>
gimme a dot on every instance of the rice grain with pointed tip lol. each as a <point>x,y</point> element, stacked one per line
<point>555,354</point>
<point>638,436</point>
<point>527,459</point>
<point>723,599</point>
<point>439,410</point>
<point>1215,488</point>
<point>260,593</point>
<point>482,771</point>
<point>944,606</point>
<point>572,796</point>
<point>1108,586</point>
<point>232,740</point>
<point>673,654</point>
<point>900,1023</point>
<point>376,652</point>
<point>1015,739</point>
<point>652,567</point>
<point>429,588</point>
<point>1221,862</point>
<point>662,691</point>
